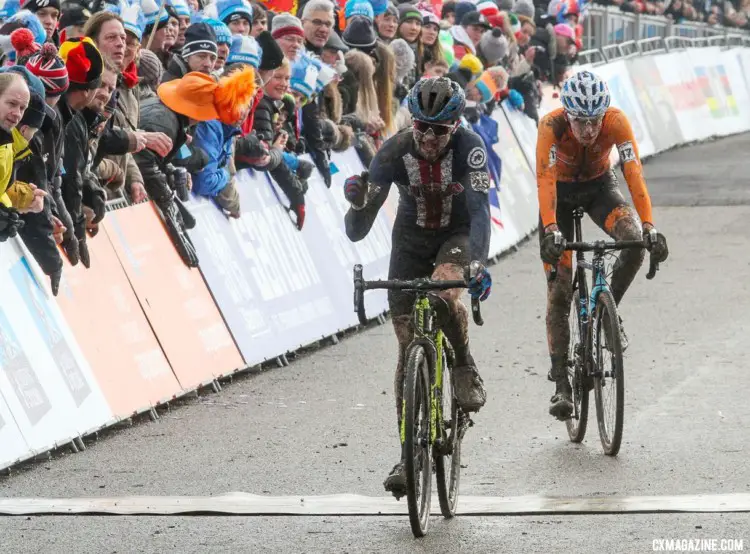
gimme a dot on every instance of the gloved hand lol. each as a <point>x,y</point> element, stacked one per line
<point>656,243</point>
<point>553,246</point>
<point>480,284</point>
<point>70,245</point>
<point>355,190</point>
<point>10,223</point>
<point>516,99</point>
<point>84,251</point>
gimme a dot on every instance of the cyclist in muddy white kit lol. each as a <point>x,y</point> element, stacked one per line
<point>442,225</point>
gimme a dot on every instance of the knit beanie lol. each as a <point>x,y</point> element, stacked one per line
<point>23,43</point>
<point>462,8</point>
<point>358,7</point>
<point>35,5</point>
<point>232,10</point>
<point>151,12</point>
<point>180,7</point>
<point>360,34</point>
<point>494,46</point>
<point>408,11</point>
<point>199,38</point>
<point>271,54</point>
<point>304,76</point>
<point>244,50</point>
<point>379,6</point>
<point>50,69</point>
<point>505,5</point>
<point>286,24</point>
<point>223,34</point>
<point>133,20</point>
<point>150,68</point>
<point>35,112</point>
<point>524,7</point>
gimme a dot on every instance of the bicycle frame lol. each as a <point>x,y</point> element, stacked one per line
<point>587,302</point>
<point>423,318</point>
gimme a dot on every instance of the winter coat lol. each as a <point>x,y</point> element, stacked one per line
<point>52,135</point>
<point>37,230</point>
<point>177,68</point>
<point>215,139</point>
<point>126,117</point>
<point>75,162</point>
<point>156,117</point>
<point>312,133</point>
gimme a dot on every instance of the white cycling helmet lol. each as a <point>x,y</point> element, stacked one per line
<point>585,95</point>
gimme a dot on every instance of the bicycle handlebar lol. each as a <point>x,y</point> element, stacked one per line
<point>416,285</point>
<point>602,246</point>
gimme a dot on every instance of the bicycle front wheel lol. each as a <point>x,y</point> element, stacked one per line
<point>609,383</point>
<point>419,366</point>
<point>576,367</point>
<point>448,455</point>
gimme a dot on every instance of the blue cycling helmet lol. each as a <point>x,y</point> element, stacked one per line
<point>585,95</point>
<point>436,100</point>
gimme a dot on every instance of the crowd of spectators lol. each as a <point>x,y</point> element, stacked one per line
<point>145,100</point>
<point>727,13</point>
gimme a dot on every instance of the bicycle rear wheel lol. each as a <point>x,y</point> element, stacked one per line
<point>609,384</point>
<point>448,456</point>
<point>419,366</point>
<point>576,353</point>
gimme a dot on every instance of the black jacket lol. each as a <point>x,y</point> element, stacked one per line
<point>75,160</point>
<point>176,69</point>
<point>156,117</point>
<point>37,231</point>
<point>313,135</point>
<point>263,129</point>
<point>349,90</point>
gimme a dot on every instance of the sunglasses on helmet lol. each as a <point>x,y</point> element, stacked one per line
<point>439,129</point>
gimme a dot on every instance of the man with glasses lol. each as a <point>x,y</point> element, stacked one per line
<point>317,22</point>
<point>573,170</point>
<point>442,224</point>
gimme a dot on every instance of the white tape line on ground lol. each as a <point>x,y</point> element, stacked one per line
<point>355,505</point>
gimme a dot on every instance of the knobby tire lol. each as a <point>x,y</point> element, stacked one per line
<point>419,367</point>
<point>608,339</point>
<point>578,422</point>
<point>448,466</point>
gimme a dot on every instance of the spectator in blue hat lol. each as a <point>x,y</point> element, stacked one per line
<point>163,25</point>
<point>386,23</point>
<point>182,11</point>
<point>223,43</point>
<point>237,15</point>
<point>358,7</point>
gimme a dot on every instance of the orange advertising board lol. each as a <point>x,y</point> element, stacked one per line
<point>174,298</point>
<point>103,312</point>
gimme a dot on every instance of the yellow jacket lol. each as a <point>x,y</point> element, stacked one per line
<point>18,195</point>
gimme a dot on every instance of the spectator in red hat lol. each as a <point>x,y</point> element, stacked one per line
<point>85,65</point>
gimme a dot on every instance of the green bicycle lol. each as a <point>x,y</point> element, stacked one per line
<point>427,436</point>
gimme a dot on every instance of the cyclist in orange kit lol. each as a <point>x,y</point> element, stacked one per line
<point>573,170</point>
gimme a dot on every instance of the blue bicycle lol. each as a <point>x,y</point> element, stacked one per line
<point>595,353</point>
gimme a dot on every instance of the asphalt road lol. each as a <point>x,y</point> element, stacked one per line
<point>326,424</point>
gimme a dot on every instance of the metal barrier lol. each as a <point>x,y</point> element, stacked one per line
<point>606,27</point>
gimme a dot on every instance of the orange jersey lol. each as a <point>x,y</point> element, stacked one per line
<point>560,157</point>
